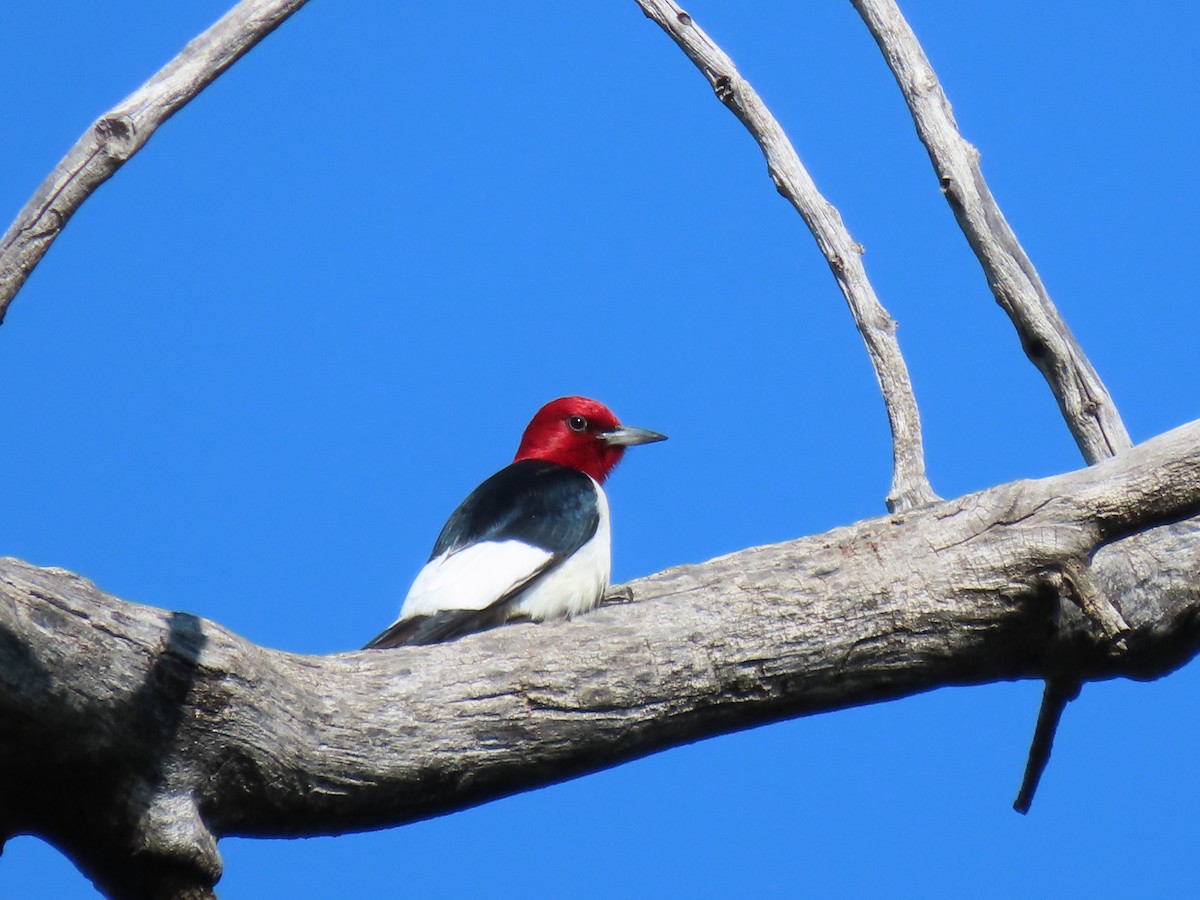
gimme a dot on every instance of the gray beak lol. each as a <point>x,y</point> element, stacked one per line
<point>627,436</point>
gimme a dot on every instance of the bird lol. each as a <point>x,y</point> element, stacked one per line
<point>533,540</point>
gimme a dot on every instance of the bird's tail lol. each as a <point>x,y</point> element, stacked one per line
<point>444,625</point>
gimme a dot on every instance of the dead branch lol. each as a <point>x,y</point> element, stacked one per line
<point>133,738</point>
<point>910,485</point>
<point>1082,397</point>
<point>123,131</point>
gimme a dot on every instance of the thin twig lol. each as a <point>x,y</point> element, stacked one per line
<point>1084,401</point>
<point>910,486</point>
<point>123,130</point>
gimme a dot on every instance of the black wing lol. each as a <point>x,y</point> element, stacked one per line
<point>540,503</point>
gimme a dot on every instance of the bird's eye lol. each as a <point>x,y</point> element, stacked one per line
<point>577,423</point>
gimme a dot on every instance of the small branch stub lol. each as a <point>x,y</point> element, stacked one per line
<point>1074,582</point>
<point>1055,697</point>
<point>1069,580</point>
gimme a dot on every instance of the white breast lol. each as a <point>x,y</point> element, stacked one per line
<point>577,584</point>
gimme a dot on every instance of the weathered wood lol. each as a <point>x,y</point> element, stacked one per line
<point>118,134</point>
<point>1082,398</point>
<point>910,485</point>
<point>1084,401</point>
<point>133,737</point>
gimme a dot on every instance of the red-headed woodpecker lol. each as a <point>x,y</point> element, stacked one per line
<point>533,540</point>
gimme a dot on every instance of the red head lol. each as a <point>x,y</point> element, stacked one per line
<point>581,433</point>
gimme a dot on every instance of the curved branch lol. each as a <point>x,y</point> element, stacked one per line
<point>133,737</point>
<point>123,130</point>
<point>1084,401</point>
<point>910,485</point>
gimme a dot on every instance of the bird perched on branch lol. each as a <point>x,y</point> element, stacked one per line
<point>533,540</point>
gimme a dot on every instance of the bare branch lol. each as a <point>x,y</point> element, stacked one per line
<point>123,130</point>
<point>1082,398</point>
<point>133,737</point>
<point>910,486</point>
<point>1084,401</point>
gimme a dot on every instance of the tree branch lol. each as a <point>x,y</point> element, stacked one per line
<point>910,485</point>
<point>123,130</point>
<point>132,737</point>
<point>1084,401</point>
<point>1085,404</point>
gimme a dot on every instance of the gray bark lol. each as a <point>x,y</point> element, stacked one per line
<point>133,737</point>
<point>910,485</point>
<point>1084,401</point>
<point>123,130</point>
<point>1082,398</point>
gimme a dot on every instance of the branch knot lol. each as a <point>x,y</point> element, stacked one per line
<point>117,136</point>
<point>723,86</point>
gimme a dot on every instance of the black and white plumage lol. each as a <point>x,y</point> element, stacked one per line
<point>532,541</point>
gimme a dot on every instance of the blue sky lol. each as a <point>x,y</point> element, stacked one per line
<point>266,360</point>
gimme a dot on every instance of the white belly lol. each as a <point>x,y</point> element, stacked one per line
<point>577,584</point>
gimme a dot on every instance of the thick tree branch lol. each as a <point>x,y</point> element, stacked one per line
<point>1085,403</point>
<point>910,485</point>
<point>133,737</point>
<point>123,130</point>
